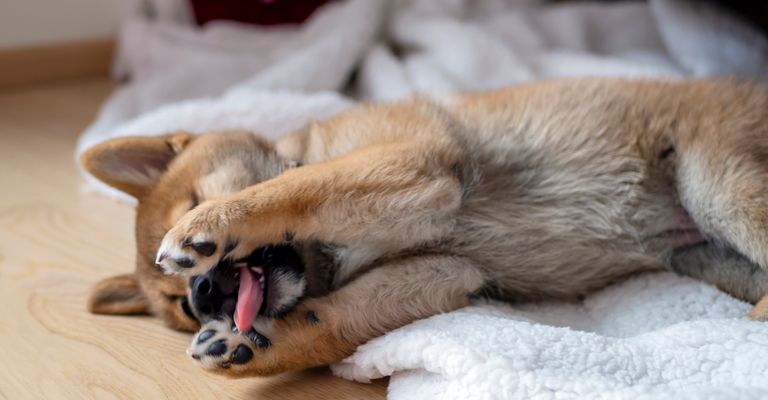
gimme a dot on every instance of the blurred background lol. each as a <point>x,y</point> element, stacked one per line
<point>51,40</point>
<point>46,41</point>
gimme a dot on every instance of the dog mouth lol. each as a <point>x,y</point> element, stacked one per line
<point>268,282</point>
<point>250,294</point>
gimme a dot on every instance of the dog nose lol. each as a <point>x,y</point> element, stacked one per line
<point>204,294</point>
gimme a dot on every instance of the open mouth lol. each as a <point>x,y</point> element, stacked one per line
<point>268,282</point>
<point>250,294</point>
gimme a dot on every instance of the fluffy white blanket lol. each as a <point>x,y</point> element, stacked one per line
<point>655,336</point>
<point>658,336</point>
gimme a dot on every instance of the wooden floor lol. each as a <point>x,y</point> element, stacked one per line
<point>57,240</point>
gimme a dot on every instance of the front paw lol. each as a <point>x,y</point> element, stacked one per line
<point>220,348</point>
<point>302,339</point>
<point>200,239</point>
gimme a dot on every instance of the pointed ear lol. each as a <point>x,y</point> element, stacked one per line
<point>133,164</point>
<point>118,295</point>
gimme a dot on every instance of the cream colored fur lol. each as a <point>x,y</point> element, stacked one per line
<point>547,190</point>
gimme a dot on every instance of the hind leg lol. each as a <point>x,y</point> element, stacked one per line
<point>760,311</point>
<point>730,271</point>
<point>722,184</point>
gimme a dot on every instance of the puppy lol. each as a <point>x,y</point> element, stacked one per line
<point>296,253</point>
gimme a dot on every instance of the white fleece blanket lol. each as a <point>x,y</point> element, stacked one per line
<point>655,336</point>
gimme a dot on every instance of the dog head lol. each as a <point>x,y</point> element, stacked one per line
<point>169,175</point>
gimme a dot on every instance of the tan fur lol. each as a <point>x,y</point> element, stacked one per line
<point>548,190</point>
<point>760,311</point>
<point>118,295</point>
<point>164,195</point>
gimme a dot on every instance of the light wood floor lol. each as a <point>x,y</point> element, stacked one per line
<point>55,242</point>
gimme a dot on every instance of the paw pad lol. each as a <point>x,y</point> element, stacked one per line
<point>217,348</point>
<point>205,249</point>
<point>185,262</point>
<point>205,335</point>
<point>230,246</point>
<point>312,317</point>
<point>242,354</point>
<point>220,346</point>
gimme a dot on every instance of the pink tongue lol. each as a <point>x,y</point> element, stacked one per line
<point>249,299</point>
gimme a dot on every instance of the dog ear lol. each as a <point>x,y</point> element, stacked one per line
<point>118,295</point>
<point>133,164</point>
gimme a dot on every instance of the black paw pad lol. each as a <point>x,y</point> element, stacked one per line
<point>312,317</point>
<point>205,335</point>
<point>242,354</point>
<point>258,339</point>
<point>185,262</point>
<point>230,246</point>
<point>216,348</point>
<point>204,248</point>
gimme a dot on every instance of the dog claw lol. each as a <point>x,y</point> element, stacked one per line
<point>258,339</point>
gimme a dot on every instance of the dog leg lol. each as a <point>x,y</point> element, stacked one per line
<point>398,195</point>
<point>730,271</point>
<point>327,329</point>
<point>722,179</point>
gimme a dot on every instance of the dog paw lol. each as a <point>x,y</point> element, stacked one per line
<point>301,339</point>
<point>219,347</point>
<point>200,239</point>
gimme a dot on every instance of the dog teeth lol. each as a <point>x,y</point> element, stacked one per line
<point>258,270</point>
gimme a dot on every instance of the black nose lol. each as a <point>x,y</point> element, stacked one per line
<point>205,294</point>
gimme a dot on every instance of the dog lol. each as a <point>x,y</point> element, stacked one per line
<point>292,254</point>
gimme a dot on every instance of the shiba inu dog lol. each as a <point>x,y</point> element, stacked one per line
<point>292,254</point>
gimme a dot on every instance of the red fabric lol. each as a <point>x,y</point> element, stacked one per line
<point>258,12</point>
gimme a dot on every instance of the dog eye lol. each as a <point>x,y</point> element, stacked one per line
<point>195,201</point>
<point>187,310</point>
<point>183,303</point>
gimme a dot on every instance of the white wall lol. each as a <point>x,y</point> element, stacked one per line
<point>35,22</point>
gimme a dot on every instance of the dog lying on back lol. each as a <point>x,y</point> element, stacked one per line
<point>292,254</point>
